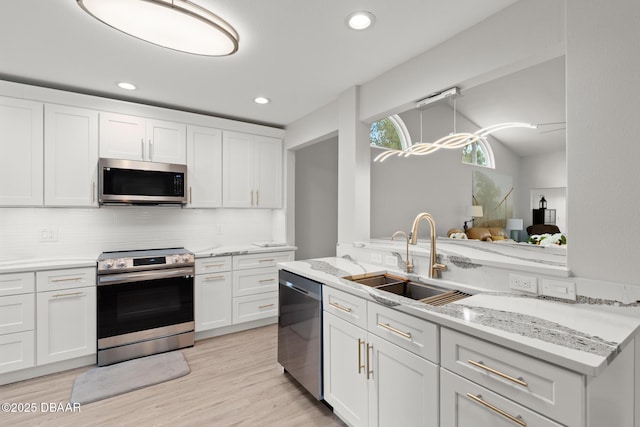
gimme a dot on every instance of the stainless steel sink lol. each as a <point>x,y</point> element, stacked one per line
<point>428,294</point>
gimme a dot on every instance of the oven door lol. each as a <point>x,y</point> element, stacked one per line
<point>129,303</point>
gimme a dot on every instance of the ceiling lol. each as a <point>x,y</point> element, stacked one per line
<point>300,54</point>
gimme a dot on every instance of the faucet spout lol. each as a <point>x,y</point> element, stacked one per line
<point>434,267</point>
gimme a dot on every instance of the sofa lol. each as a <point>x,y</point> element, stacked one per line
<point>489,234</point>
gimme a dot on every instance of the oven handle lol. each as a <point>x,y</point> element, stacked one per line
<point>140,276</point>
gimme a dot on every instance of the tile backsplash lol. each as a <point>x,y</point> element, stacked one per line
<point>85,233</point>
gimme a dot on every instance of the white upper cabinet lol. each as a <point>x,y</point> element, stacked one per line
<point>204,166</point>
<point>71,156</point>
<point>252,172</point>
<point>137,138</point>
<point>21,145</point>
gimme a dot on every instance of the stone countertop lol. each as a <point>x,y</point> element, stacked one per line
<point>581,337</point>
<point>40,264</point>
<point>242,249</point>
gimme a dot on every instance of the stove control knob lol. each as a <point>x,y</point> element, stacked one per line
<point>121,263</point>
<point>186,258</point>
<point>108,263</point>
<point>176,259</point>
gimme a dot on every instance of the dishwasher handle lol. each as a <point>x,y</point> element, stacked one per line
<point>300,284</point>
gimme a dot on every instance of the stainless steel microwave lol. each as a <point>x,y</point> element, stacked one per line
<point>135,182</point>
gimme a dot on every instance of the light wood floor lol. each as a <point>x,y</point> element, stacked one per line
<point>235,380</point>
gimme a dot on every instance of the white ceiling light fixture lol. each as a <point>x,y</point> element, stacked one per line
<point>261,100</point>
<point>174,24</point>
<point>127,86</point>
<point>360,20</point>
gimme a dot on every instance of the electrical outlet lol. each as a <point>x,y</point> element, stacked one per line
<point>391,260</point>
<point>523,283</point>
<point>48,235</point>
<point>559,289</point>
<point>376,258</point>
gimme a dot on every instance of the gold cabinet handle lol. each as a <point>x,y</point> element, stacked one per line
<point>93,192</point>
<point>257,197</point>
<point>388,327</point>
<point>360,365</point>
<point>265,306</point>
<point>68,279</point>
<point>266,280</point>
<point>68,294</point>
<point>478,399</point>
<point>216,264</point>
<point>481,365</point>
<point>190,196</point>
<point>369,370</point>
<point>142,147</point>
<point>266,260</point>
<point>211,278</point>
<point>251,197</point>
<point>340,307</point>
<point>150,150</point>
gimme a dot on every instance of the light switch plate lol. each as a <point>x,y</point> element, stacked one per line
<point>559,289</point>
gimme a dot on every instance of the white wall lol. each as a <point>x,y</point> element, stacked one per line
<point>316,200</point>
<point>603,101</point>
<point>85,232</point>
<point>437,183</point>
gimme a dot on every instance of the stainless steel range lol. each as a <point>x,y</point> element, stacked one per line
<point>145,303</point>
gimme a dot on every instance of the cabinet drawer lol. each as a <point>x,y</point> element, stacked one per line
<point>18,283</point>
<point>257,280</point>
<point>17,351</point>
<point>65,279</point>
<point>267,259</point>
<point>213,264</point>
<point>411,333</point>
<point>346,306</point>
<point>254,307</point>
<point>465,404</point>
<point>541,386</point>
<point>17,313</point>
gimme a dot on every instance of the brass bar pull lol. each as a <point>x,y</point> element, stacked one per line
<point>265,306</point>
<point>190,196</point>
<point>388,327</point>
<point>210,278</point>
<point>216,264</point>
<point>369,370</point>
<point>68,294</point>
<point>266,280</point>
<point>481,365</point>
<point>69,279</point>
<point>266,260</point>
<point>478,399</point>
<point>360,365</point>
<point>251,197</point>
<point>257,197</point>
<point>93,191</point>
<point>340,307</point>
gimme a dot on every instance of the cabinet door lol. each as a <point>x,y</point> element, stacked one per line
<point>466,404</point>
<point>237,172</point>
<point>71,156</point>
<point>17,351</point>
<point>345,378</point>
<point>122,137</point>
<point>403,388</point>
<point>212,300</point>
<point>166,142</point>
<point>17,313</point>
<point>204,165</point>
<point>66,324</point>
<point>268,170</point>
<point>21,172</point>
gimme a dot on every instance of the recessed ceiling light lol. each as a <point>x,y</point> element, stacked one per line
<point>261,100</point>
<point>360,20</point>
<point>127,86</point>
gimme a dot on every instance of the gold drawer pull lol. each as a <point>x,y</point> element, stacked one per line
<point>266,280</point>
<point>360,365</point>
<point>217,264</point>
<point>388,327</point>
<point>340,307</point>
<point>478,399</point>
<point>369,369</point>
<point>69,279</point>
<point>68,294</point>
<point>210,278</point>
<point>266,260</point>
<point>265,306</point>
<point>481,365</point>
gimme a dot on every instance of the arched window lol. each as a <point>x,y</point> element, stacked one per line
<point>479,153</point>
<point>390,132</point>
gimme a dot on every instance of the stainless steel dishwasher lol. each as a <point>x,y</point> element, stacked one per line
<point>300,330</point>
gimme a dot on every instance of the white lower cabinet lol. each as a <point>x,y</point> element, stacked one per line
<point>66,324</point>
<point>370,381</point>
<point>212,293</point>
<point>17,321</point>
<point>17,351</point>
